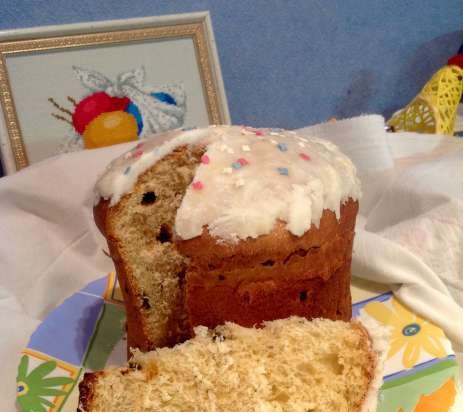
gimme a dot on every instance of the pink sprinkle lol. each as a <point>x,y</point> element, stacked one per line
<point>137,153</point>
<point>304,156</point>
<point>248,129</point>
<point>205,159</point>
<point>198,185</point>
<point>242,161</point>
<point>139,146</point>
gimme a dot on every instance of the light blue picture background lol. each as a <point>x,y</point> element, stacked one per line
<point>290,63</point>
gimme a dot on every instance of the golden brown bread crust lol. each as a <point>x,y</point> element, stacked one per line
<point>249,303</point>
<point>87,390</point>
<point>277,245</point>
<point>367,342</point>
<point>274,276</point>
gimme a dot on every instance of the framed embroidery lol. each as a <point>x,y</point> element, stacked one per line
<point>84,86</point>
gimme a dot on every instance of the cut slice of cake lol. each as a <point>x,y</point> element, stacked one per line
<point>288,365</point>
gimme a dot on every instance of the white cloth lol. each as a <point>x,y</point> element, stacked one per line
<point>409,233</point>
<point>410,228</point>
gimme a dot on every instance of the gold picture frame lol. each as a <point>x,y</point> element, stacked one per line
<point>194,26</point>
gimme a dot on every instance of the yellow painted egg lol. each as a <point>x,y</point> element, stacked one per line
<point>110,128</point>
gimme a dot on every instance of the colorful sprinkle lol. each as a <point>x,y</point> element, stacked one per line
<point>242,161</point>
<point>245,148</point>
<point>139,146</point>
<point>198,185</point>
<point>224,148</point>
<point>227,170</point>
<point>301,144</point>
<point>302,139</point>
<point>127,170</point>
<point>252,130</point>
<point>273,141</point>
<point>205,159</point>
<point>283,147</point>
<point>283,171</point>
<point>304,156</point>
<point>137,153</point>
<point>236,165</point>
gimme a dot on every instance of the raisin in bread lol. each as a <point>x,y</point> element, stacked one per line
<point>228,224</point>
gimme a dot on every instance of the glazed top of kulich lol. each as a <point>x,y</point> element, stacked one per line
<point>247,180</point>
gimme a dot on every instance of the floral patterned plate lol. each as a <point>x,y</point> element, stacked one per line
<point>86,332</point>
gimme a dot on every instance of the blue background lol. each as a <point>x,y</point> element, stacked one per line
<point>292,63</point>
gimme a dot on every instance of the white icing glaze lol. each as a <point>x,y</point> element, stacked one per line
<point>248,179</point>
<point>282,177</point>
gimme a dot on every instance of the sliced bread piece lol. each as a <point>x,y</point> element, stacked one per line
<point>288,365</point>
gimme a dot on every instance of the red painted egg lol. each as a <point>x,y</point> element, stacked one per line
<point>92,106</point>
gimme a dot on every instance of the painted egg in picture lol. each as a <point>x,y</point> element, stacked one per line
<point>110,128</point>
<point>93,105</point>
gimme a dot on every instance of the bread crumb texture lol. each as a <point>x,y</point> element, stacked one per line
<point>288,365</point>
<point>140,236</point>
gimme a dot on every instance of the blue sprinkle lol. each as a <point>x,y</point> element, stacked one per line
<point>283,171</point>
<point>283,147</point>
<point>236,165</point>
<point>126,171</point>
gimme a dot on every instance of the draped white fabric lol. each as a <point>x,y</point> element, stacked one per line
<point>410,229</point>
<point>409,232</point>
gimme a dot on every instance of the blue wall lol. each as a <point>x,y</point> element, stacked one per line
<point>291,63</point>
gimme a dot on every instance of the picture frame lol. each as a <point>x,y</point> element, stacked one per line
<point>46,72</point>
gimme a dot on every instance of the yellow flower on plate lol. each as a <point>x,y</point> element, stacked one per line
<point>409,331</point>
